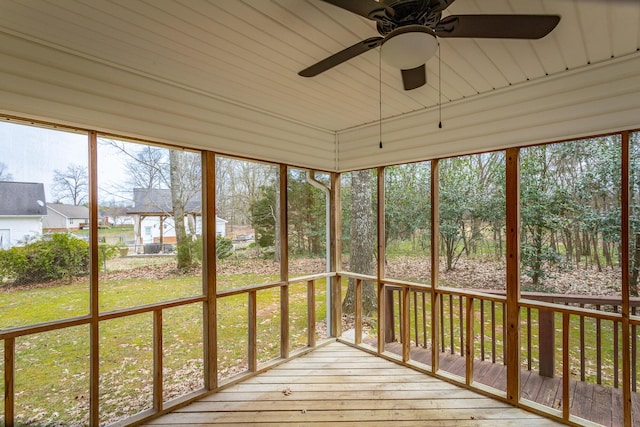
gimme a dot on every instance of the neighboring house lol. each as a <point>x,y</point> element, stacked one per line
<point>61,217</point>
<point>153,216</point>
<point>22,207</point>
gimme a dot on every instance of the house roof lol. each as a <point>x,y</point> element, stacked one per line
<point>223,76</point>
<point>22,199</point>
<point>69,211</point>
<point>157,201</point>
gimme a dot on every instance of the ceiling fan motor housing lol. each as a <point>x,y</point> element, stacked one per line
<point>410,12</point>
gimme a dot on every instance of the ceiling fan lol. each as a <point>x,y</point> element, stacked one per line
<point>410,28</point>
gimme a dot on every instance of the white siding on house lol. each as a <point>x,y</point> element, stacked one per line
<point>19,230</point>
<point>150,228</point>
<point>5,238</point>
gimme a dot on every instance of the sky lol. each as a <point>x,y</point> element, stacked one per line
<point>32,154</point>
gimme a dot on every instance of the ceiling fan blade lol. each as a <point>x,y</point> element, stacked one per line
<point>497,26</point>
<point>342,56</point>
<point>370,9</point>
<point>414,77</point>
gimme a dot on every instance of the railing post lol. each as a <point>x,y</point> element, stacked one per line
<point>469,340</point>
<point>546,346</point>
<point>157,360</point>
<point>252,353</point>
<point>404,321</point>
<point>311,313</point>
<point>389,326</point>
<point>358,312</point>
<point>9,372</point>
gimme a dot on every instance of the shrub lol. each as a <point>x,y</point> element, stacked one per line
<point>224,248</point>
<point>60,257</point>
<point>107,251</point>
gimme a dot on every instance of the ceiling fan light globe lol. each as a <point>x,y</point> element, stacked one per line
<point>409,47</point>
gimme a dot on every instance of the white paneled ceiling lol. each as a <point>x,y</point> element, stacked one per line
<point>247,53</point>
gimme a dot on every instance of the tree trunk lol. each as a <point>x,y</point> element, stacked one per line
<point>596,255</point>
<point>578,247</point>
<point>177,199</point>
<point>537,263</point>
<point>276,216</point>
<point>568,243</point>
<point>635,269</point>
<point>606,251</point>
<point>362,243</point>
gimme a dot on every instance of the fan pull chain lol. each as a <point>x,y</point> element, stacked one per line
<point>380,94</point>
<point>439,87</point>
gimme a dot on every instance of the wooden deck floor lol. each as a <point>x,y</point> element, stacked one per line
<point>340,385</point>
<point>602,405</point>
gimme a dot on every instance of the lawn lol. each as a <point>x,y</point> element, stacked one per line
<point>52,381</point>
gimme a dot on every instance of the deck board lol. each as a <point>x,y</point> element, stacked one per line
<point>600,404</point>
<point>338,384</point>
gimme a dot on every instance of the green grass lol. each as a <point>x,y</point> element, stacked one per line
<point>52,381</point>
<point>52,367</point>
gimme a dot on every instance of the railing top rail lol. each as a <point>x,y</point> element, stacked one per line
<point>250,288</point>
<point>571,298</point>
<point>570,309</point>
<point>311,277</point>
<point>357,275</point>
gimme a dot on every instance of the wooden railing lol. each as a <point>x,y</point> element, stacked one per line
<point>159,405</point>
<point>601,311</point>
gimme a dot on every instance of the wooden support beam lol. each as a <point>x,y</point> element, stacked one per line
<point>94,269</point>
<point>624,261</point>
<point>513,274</point>
<point>435,261</point>
<point>385,307</point>
<point>284,261</point>
<point>335,257</point>
<point>209,264</point>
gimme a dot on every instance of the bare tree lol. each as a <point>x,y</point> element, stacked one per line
<point>148,168</point>
<point>4,175</point>
<point>186,181</point>
<point>71,185</point>
<point>361,259</point>
<point>154,167</point>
